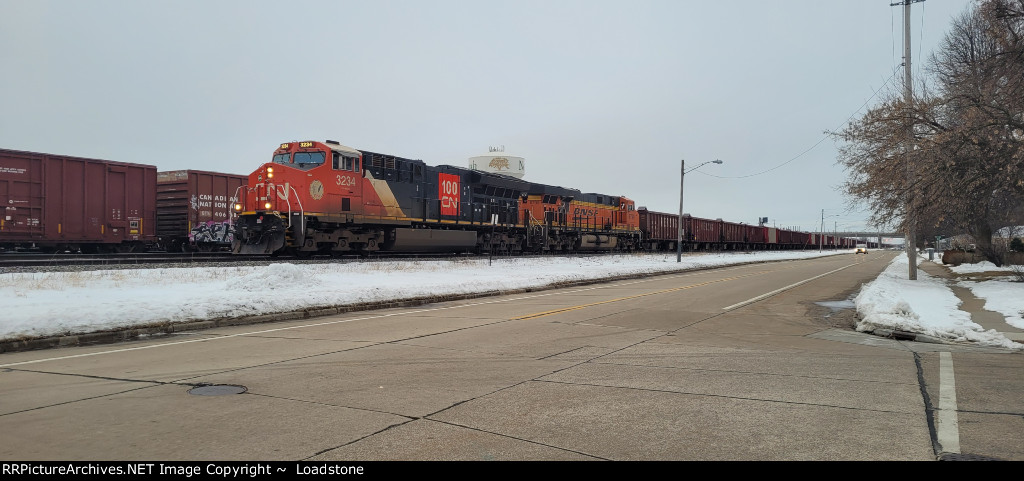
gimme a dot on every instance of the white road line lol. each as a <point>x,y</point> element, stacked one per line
<point>948,426</point>
<point>776,291</point>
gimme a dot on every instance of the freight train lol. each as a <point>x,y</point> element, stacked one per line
<point>57,202</point>
<point>326,198</point>
<point>660,233</point>
<point>323,197</point>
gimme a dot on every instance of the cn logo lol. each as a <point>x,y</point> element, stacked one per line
<point>448,193</point>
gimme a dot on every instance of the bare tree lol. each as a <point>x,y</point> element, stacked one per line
<point>967,161</point>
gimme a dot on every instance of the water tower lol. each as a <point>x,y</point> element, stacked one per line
<point>499,162</point>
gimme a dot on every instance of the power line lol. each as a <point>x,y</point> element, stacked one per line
<point>892,34</point>
<point>801,154</point>
<point>920,43</point>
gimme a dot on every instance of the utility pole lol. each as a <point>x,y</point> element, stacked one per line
<point>908,98</point>
<point>822,231</point>
<point>682,177</point>
<point>679,233</point>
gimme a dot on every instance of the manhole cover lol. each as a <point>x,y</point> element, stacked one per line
<point>217,390</point>
<point>966,457</point>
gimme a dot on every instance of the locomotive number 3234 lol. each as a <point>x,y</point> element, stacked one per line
<point>345,180</point>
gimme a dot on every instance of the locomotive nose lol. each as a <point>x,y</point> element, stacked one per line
<point>259,234</point>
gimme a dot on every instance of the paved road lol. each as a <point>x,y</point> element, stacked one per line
<point>735,363</point>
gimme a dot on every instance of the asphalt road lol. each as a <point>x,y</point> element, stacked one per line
<point>735,363</point>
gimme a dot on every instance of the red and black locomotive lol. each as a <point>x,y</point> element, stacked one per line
<point>323,197</point>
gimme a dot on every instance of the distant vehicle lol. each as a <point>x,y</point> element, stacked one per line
<point>862,249</point>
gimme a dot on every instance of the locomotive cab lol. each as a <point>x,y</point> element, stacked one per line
<point>302,179</point>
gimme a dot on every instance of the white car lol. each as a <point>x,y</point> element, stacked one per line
<point>862,250</point>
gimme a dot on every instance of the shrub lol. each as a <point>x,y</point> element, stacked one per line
<point>1016,245</point>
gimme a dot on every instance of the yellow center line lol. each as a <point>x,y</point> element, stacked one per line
<point>664,291</point>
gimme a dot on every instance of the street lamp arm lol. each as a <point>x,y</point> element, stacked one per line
<point>682,177</point>
<point>716,161</point>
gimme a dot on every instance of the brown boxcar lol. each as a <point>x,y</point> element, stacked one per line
<point>703,232</point>
<point>733,234</point>
<point>754,236</point>
<point>194,209</point>
<point>63,202</point>
<point>788,239</point>
<point>660,230</point>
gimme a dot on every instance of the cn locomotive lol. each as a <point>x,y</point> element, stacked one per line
<point>323,197</point>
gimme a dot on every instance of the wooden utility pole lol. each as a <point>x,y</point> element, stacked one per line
<point>908,99</point>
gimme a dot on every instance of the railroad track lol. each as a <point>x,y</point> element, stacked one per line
<point>21,259</point>
<point>12,260</point>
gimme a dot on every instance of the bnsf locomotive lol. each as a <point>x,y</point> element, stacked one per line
<point>323,197</point>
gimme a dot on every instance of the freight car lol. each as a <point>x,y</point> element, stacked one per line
<point>61,202</point>
<point>57,203</point>
<point>323,197</point>
<point>193,209</point>
<point>660,233</point>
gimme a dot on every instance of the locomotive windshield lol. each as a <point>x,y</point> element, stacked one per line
<point>316,158</point>
<point>302,160</point>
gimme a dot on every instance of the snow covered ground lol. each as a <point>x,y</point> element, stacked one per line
<point>928,306</point>
<point>58,303</point>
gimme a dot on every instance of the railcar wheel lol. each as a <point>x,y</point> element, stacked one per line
<point>125,248</point>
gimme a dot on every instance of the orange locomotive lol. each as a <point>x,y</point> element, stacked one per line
<point>323,197</point>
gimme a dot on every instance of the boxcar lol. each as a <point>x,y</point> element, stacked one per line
<point>789,239</point>
<point>733,235</point>
<point>194,209</point>
<point>660,230</point>
<point>56,202</point>
<point>754,236</point>
<point>704,233</point>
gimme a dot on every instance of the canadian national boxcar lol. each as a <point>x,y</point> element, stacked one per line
<point>194,209</point>
<point>56,202</point>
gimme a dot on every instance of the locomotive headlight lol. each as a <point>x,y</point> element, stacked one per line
<point>267,205</point>
<point>270,175</point>
<point>238,207</point>
<point>270,170</point>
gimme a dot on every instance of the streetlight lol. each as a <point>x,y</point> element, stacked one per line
<point>682,177</point>
<point>821,233</point>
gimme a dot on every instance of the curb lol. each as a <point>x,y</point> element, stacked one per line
<point>909,336</point>
<point>916,337</point>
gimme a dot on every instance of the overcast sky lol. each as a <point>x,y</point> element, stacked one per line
<point>603,96</point>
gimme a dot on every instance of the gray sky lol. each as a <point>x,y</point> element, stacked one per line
<point>603,96</point>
